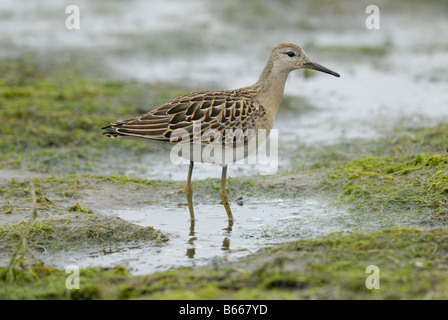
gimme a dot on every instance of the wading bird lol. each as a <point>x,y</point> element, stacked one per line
<point>220,114</point>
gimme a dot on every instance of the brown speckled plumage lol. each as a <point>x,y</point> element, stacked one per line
<point>215,110</point>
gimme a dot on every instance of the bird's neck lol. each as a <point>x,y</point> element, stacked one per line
<point>270,87</point>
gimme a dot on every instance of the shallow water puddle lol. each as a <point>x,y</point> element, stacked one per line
<point>256,225</point>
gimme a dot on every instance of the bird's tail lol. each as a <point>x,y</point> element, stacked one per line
<point>111,132</point>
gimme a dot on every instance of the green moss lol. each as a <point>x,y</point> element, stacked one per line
<point>393,183</point>
<point>73,231</point>
<point>80,209</point>
<point>55,114</point>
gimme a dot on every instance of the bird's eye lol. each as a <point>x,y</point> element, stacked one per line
<point>290,54</point>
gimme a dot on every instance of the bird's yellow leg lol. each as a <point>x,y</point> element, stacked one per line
<point>189,192</point>
<point>223,193</point>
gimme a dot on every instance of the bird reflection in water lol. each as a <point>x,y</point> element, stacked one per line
<point>191,249</point>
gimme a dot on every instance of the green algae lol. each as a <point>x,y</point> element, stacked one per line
<point>408,173</point>
<point>72,231</point>
<point>55,114</point>
<point>78,224</point>
<point>383,184</point>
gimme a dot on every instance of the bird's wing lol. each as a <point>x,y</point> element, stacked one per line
<point>197,117</point>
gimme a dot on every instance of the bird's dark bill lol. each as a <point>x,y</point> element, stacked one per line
<point>318,67</point>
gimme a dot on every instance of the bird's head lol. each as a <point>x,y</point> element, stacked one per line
<point>289,57</point>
